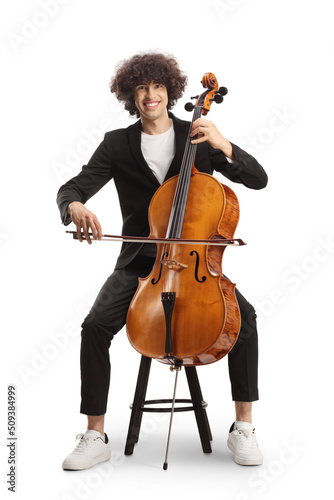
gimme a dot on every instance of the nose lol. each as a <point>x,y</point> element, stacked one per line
<point>150,91</point>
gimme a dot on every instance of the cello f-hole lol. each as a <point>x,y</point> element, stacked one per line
<point>196,267</point>
<point>154,281</point>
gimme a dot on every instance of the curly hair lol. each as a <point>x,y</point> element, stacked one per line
<point>142,68</point>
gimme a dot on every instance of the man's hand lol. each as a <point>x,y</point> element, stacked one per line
<point>85,221</point>
<point>207,131</point>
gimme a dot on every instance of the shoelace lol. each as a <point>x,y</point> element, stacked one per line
<point>246,438</point>
<point>85,441</point>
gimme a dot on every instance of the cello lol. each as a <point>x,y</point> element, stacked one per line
<point>185,311</point>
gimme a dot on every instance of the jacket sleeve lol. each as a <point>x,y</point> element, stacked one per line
<point>244,169</point>
<point>89,181</point>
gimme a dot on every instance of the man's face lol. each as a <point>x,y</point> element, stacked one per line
<point>151,100</point>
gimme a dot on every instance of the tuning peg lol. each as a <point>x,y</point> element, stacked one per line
<point>222,91</point>
<point>189,106</point>
<point>195,97</point>
<point>218,98</point>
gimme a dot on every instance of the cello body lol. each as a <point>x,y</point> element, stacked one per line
<point>205,321</point>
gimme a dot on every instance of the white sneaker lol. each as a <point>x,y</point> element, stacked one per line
<point>90,450</point>
<point>242,442</point>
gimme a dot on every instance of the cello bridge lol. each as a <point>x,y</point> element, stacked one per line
<point>173,265</point>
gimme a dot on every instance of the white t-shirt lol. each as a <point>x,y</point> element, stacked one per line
<point>159,151</point>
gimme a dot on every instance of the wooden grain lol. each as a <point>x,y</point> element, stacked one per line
<point>206,317</point>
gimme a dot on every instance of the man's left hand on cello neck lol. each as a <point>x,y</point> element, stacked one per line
<point>207,131</point>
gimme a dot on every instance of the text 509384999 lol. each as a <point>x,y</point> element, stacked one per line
<point>11,445</point>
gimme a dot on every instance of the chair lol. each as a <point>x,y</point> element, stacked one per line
<point>140,405</point>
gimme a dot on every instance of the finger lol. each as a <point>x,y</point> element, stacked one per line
<point>85,231</point>
<point>195,128</point>
<point>198,135</point>
<point>79,233</point>
<point>200,121</point>
<point>198,130</point>
<point>94,229</point>
<point>99,229</point>
<point>199,139</point>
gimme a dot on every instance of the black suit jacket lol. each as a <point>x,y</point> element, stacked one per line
<point>119,157</point>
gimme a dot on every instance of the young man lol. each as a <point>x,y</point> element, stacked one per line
<point>139,158</point>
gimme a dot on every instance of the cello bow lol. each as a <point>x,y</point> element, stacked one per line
<point>216,240</point>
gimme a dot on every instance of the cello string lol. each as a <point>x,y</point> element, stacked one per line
<point>174,222</point>
<point>172,226</point>
<point>188,169</point>
<point>176,211</point>
<point>184,178</point>
<point>179,204</point>
<point>176,218</point>
<point>180,199</point>
<point>178,194</point>
<point>184,181</point>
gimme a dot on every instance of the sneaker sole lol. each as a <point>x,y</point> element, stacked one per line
<point>97,460</point>
<point>243,461</point>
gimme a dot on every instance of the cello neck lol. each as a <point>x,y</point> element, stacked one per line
<point>176,219</point>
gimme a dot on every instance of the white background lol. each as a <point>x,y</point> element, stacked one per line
<point>275,57</point>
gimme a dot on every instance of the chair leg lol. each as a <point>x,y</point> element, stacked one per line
<point>200,412</point>
<point>139,398</point>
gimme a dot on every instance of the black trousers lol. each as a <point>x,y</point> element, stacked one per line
<point>108,316</point>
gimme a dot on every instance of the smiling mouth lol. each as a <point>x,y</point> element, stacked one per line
<point>151,105</point>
